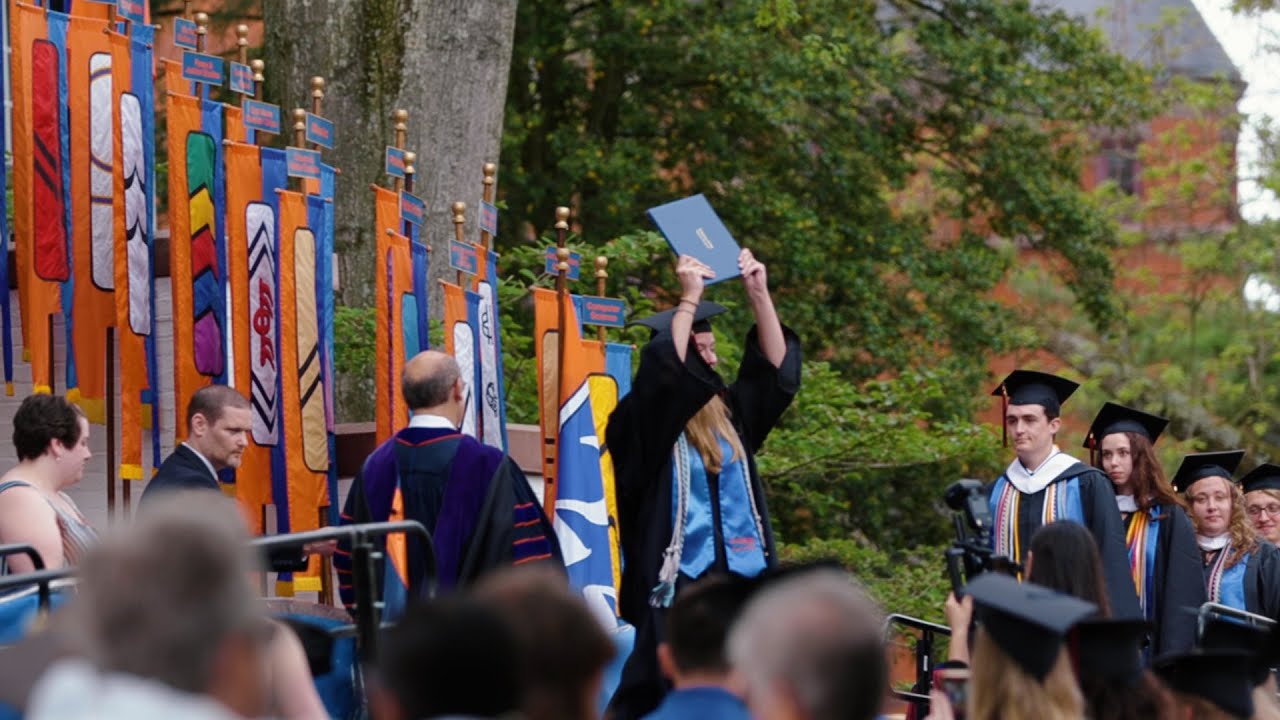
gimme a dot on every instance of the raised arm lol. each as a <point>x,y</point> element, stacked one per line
<point>693,274</point>
<point>755,279</point>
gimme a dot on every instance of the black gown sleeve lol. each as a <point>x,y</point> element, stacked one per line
<point>762,392</point>
<point>1181,589</point>
<point>1099,500</point>
<point>645,425</point>
<point>1268,581</point>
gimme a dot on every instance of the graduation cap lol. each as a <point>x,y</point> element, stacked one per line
<point>1115,418</point>
<point>658,322</point>
<point>1220,676</point>
<point>1026,620</point>
<point>1030,387</point>
<point>1110,648</point>
<point>1198,466</point>
<point>1264,477</point>
<point>1227,633</point>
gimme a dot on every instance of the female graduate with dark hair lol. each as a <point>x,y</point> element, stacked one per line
<point>1241,570</point>
<point>690,501</point>
<point>1161,539</point>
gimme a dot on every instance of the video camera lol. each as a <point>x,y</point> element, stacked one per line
<point>971,554</point>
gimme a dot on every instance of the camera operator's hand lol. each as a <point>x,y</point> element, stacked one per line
<point>939,706</point>
<point>959,615</point>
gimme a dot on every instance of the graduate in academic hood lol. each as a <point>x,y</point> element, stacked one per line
<point>1044,484</point>
<point>1163,557</point>
<point>1262,500</point>
<point>690,501</point>
<point>1241,570</point>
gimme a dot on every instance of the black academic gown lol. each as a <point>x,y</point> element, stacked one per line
<point>642,432</point>
<point>1262,581</point>
<point>1102,518</point>
<point>1178,588</point>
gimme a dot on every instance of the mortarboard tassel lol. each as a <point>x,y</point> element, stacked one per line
<point>1004,411</point>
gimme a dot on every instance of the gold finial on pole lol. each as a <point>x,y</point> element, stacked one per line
<point>401,119</point>
<point>242,43</point>
<point>490,170</point>
<point>317,94</point>
<point>299,127</point>
<point>410,169</point>
<point>299,141</point>
<point>317,100</point>
<point>259,67</point>
<point>602,275</point>
<point>242,48</point>
<point>202,29</point>
<point>562,223</point>
<point>459,219</point>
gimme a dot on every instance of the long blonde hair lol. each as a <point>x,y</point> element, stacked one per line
<point>703,429</point>
<point>999,689</point>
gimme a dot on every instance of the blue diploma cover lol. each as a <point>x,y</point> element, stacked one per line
<point>692,227</point>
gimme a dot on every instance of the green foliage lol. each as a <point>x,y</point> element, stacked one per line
<point>354,344</point>
<point>870,459</point>
<point>837,139</point>
<point>911,582</point>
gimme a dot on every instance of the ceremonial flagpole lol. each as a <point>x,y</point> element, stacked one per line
<point>602,275</point>
<point>410,174</point>
<point>326,561</point>
<point>400,118</point>
<point>459,218</point>
<point>242,47</point>
<point>562,343</point>
<point>490,170</point>
<point>202,29</point>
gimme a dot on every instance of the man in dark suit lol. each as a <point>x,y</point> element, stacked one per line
<point>218,423</point>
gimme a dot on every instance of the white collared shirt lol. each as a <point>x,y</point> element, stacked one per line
<point>427,420</point>
<point>203,459</point>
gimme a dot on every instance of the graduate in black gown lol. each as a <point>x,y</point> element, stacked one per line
<point>690,501</point>
<point>1044,484</point>
<point>1163,557</point>
<point>1241,570</point>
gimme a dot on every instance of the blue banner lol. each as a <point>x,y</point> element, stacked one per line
<point>303,163</point>
<point>412,208</point>
<point>395,162</point>
<point>319,131</point>
<point>463,257</point>
<point>201,68</point>
<point>241,79</point>
<point>261,116</point>
<point>575,263</point>
<point>185,35</point>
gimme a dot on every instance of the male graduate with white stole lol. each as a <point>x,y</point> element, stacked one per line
<point>1044,484</point>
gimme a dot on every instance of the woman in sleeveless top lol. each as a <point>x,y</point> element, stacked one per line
<point>51,437</point>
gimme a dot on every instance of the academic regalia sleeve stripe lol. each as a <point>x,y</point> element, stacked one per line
<point>535,558</point>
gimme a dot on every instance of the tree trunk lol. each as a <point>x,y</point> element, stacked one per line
<point>445,61</point>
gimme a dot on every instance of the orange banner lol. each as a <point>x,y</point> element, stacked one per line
<point>34,64</point>
<point>546,348</point>
<point>233,124</point>
<point>255,325</point>
<point>307,488</point>
<point>393,270</point>
<point>185,210</point>
<point>132,260</point>
<point>89,94</point>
